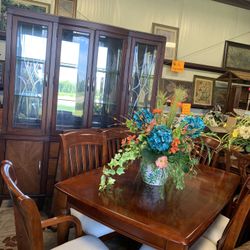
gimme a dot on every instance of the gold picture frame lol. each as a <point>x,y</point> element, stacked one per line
<point>66,8</point>
<point>203,90</point>
<point>172,36</point>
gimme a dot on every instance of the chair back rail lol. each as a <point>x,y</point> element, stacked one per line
<point>28,228</point>
<point>238,162</point>
<point>114,139</point>
<point>82,151</point>
<point>206,150</point>
<point>237,224</point>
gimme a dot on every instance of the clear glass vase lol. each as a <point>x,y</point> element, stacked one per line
<point>153,175</point>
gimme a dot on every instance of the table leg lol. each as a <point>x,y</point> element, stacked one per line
<point>59,207</point>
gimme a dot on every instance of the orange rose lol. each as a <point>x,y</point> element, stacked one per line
<point>157,111</point>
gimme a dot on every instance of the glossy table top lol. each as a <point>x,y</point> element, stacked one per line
<point>168,218</point>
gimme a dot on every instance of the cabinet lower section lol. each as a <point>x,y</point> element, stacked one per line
<point>35,164</point>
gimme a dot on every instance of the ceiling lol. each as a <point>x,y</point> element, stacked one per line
<point>245,4</point>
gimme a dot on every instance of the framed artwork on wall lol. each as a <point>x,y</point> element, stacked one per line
<point>168,86</point>
<point>36,6</point>
<point>66,8</point>
<point>236,56</point>
<point>203,90</point>
<point>172,36</point>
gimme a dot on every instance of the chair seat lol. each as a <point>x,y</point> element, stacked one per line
<point>91,226</point>
<point>203,244</point>
<point>87,242</point>
<point>216,229</point>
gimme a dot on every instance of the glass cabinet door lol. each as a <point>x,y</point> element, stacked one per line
<point>142,76</point>
<point>73,79</point>
<point>107,81</point>
<point>30,75</point>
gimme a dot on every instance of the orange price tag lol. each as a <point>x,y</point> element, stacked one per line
<point>177,66</point>
<point>186,108</point>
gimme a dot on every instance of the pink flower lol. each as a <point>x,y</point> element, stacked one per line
<point>162,162</point>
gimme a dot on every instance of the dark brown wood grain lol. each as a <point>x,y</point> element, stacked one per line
<point>82,151</point>
<point>171,219</point>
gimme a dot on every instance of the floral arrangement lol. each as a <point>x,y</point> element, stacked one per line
<point>162,139</point>
<point>239,137</point>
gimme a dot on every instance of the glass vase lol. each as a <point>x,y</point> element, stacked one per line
<point>153,175</point>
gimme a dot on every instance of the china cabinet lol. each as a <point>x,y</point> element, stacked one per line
<point>63,74</point>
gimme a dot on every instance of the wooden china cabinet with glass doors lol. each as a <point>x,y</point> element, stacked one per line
<point>64,74</point>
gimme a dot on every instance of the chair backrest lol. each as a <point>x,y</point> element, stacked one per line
<point>27,217</point>
<point>239,221</point>
<point>237,162</point>
<point>206,150</point>
<point>82,151</point>
<point>114,139</point>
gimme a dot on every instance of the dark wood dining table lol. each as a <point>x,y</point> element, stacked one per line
<point>164,218</point>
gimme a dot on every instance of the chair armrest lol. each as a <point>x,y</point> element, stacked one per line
<point>62,219</point>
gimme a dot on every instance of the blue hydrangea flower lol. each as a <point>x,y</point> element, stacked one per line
<point>143,117</point>
<point>195,125</point>
<point>160,138</point>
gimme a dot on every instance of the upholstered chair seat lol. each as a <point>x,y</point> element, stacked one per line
<point>87,242</point>
<point>91,226</point>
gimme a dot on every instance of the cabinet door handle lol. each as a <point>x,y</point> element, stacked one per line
<point>87,84</point>
<point>93,83</point>
<point>39,166</point>
<point>46,80</point>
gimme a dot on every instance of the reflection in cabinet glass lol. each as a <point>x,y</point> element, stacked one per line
<point>107,81</point>
<point>140,91</point>
<point>29,74</point>
<point>72,79</point>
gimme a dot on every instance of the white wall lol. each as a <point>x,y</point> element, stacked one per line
<point>204,25</point>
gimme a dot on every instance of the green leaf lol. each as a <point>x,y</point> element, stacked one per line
<point>120,170</point>
<point>111,181</point>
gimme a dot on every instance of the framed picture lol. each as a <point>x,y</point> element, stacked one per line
<point>168,86</point>
<point>236,56</point>
<point>203,90</point>
<point>66,8</point>
<point>36,6</point>
<point>172,36</point>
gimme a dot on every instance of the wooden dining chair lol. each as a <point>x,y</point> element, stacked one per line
<point>114,137</point>
<point>29,227</point>
<point>237,162</point>
<point>206,150</point>
<point>82,151</point>
<point>224,233</point>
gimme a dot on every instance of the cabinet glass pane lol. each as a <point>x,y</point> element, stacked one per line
<point>140,89</point>
<point>72,79</point>
<point>29,74</point>
<point>107,80</point>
